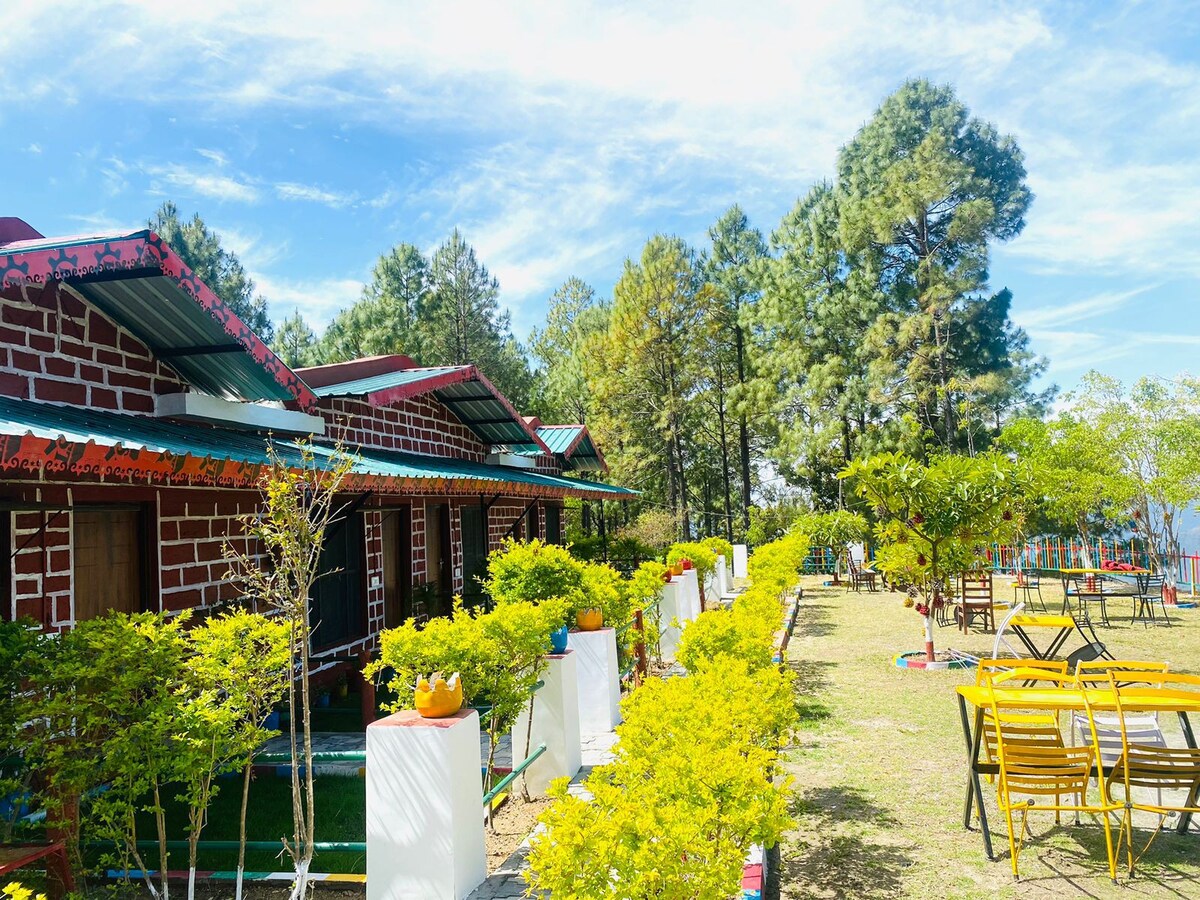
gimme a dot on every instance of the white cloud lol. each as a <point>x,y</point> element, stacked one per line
<point>317,300</point>
<point>288,190</point>
<point>202,184</point>
<point>213,156</point>
<point>34,149</point>
<point>1045,317</point>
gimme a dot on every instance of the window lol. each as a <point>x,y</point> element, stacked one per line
<point>338,615</point>
<point>110,562</point>
<point>553,524</point>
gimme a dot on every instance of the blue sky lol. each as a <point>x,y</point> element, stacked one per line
<point>558,137</point>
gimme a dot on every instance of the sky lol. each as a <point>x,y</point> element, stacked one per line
<point>559,136</point>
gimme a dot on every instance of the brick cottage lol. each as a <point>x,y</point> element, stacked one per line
<point>135,411</point>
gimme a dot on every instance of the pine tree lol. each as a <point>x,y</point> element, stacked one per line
<point>295,342</point>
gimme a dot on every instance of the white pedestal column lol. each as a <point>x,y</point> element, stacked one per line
<point>555,723</point>
<point>691,595</point>
<point>721,577</point>
<point>670,609</point>
<point>599,680</point>
<point>740,558</point>
<point>424,807</point>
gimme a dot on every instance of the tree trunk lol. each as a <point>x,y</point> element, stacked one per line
<point>241,865</point>
<point>743,432</point>
<point>725,473</point>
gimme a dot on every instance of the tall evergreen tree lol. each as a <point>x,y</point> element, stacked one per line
<point>923,189</point>
<point>217,267</point>
<point>574,317</point>
<point>737,251</point>
<point>295,342</point>
<point>460,321</point>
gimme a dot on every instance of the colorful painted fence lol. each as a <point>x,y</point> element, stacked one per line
<point>1055,553</point>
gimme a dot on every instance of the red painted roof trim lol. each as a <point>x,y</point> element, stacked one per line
<point>39,267</point>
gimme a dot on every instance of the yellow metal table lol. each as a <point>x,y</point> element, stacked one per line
<point>1134,699</point>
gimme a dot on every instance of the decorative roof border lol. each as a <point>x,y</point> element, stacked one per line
<point>75,258</point>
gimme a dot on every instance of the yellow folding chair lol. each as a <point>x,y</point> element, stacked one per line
<point>1031,727</point>
<point>1032,772</point>
<point>1151,765</point>
<point>989,668</point>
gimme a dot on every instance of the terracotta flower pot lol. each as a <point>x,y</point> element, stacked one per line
<point>439,701</point>
<point>589,619</point>
<point>666,576</point>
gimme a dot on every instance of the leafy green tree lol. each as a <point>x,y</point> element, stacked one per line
<point>835,530</point>
<point>732,268</point>
<point>936,519</point>
<point>300,504</point>
<point>236,671</point>
<point>1071,473</point>
<point>18,646</point>
<point>1151,431</point>
<point>459,321</point>
<point>217,267</point>
<point>295,342</point>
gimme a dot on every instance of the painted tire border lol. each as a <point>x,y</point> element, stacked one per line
<point>912,660</point>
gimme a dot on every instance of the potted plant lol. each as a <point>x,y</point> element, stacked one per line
<point>341,688</point>
<point>322,697</point>
<point>590,618</point>
<point>441,699</point>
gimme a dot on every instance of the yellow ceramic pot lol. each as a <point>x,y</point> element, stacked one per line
<point>440,700</point>
<point>589,619</point>
<point>677,568</point>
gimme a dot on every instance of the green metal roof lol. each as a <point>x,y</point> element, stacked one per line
<point>572,442</point>
<point>73,425</point>
<point>461,389</point>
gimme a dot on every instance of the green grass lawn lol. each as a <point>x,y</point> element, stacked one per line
<point>340,816</point>
<point>879,768</point>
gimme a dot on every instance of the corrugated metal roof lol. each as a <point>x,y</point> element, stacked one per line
<point>81,426</point>
<point>461,389</point>
<point>365,386</point>
<point>559,437</point>
<point>143,285</point>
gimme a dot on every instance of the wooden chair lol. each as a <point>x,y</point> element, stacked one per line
<point>975,598</point>
<point>859,576</point>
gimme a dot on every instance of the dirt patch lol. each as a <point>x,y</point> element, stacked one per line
<point>511,824</point>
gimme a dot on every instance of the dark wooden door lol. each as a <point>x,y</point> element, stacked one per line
<point>397,566</point>
<point>109,562</point>
<point>474,555</point>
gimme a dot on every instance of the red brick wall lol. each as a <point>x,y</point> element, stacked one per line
<point>57,349</point>
<point>41,579</point>
<point>501,517</point>
<point>419,425</point>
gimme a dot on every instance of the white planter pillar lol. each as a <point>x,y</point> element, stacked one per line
<point>555,723</point>
<point>721,577</point>
<point>599,679</point>
<point>691,596</point>
<point>740,557</point>
<point>670,610</point>
<point>424,807</point>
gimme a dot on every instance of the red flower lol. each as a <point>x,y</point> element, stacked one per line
<point>1007,517</point>
<point>917,519</point>
<point>921,559</point>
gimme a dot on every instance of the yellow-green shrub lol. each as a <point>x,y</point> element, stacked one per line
<point>702,557</point>
<point>720,547</point>
<point>727,632</point>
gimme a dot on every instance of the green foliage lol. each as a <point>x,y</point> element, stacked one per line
<point>108,695</point>
<point>574,319</point>
<point>739,633</point>
<point>295,342</point>
<point>220,269</point>
<point>702,557</point>
<point>535,572</point>
<point>499,657</point>
<point>670,824</point>
<point>835,530</point>
<point>1146,437</point>
<point>720,547</point>
<point>936,519</point>
<point>769,523</point>
<point>18,644</point>
<point>654,529</point>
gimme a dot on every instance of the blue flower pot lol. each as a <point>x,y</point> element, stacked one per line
<point>558,640</point>
<point>323,701</point>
